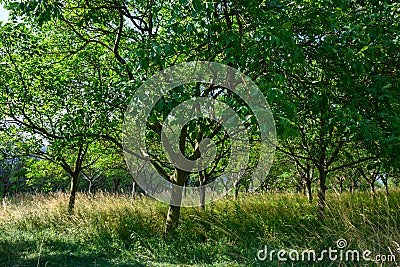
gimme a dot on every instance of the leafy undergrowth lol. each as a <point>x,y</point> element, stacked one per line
<point>109,230</point>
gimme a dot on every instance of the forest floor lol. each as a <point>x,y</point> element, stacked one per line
<point>110,230</point>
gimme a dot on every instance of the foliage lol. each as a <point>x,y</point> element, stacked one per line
<point>329,69</point>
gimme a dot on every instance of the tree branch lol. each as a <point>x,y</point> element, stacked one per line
<point>351,163</point>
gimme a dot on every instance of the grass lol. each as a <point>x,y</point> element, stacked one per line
<point>108,230</point>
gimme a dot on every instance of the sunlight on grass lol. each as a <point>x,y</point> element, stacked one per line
<point>110,230</point>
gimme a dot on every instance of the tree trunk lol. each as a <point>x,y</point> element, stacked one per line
<point>90,186</point>
<point>341,185</point>
<point>372,185</point>
<point>116,183</point>
<point>385,182</point>
<point>172,219</point>
<point>202,197</point>
<point>353,186</point>
<point>175,203</point>
<point>173,211</point>
<point>386,188</point>
<point>237,188</point>
<point>203,178</point>
<point>74,187</point>
<point>321,194</point>
<point>133,193</point>
<point>309,190</point>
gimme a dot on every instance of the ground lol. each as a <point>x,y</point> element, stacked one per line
<point>116,230</point>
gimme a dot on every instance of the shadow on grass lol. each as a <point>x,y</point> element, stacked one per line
<point>58,253</point>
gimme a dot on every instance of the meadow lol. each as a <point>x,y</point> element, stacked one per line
<point>116,230</point>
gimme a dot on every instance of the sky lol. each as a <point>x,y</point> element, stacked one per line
<point>3,14</point>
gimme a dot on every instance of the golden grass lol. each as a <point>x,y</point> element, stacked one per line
<point>133,228</point>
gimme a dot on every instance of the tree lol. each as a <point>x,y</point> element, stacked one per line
<point>372,175</point>
<point>332,73</point>
<point>328,69</point>
<point>150,29</point>
<point>54,104</point>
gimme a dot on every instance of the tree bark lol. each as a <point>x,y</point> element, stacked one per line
<point>309,190</point>
<point>172,219</point>
<point>116,183</point>
<point>175,203</point>
<point>353,187</point>
<point>202,197</point>
<point>203,178</point>
<point>341,185</point>
<point>74,187</point>
<point>321,194</point>
<point>90,186</point>
<point>386,188</point>
<point>384,179</point>
<point>133,192</point>
<point>237,188</point>
<point>372,185</point>
<point>173,211</point>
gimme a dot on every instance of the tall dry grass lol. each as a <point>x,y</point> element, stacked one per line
<point>116,229</point>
